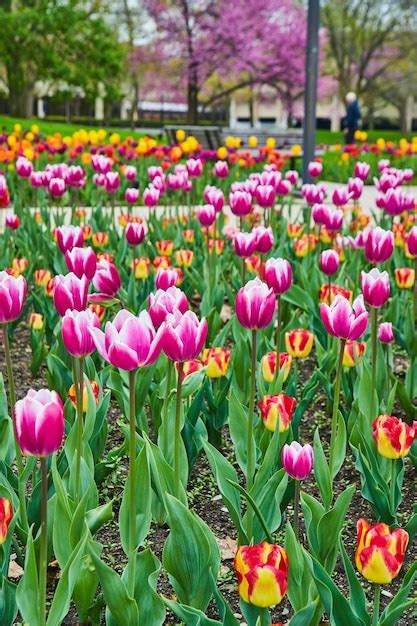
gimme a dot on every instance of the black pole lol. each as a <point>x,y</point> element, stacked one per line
<point>310,94</point>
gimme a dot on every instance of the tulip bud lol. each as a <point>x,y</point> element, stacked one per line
<point>262,573</point>
<point>361,170</point>
<point>269,362</point>
<point>380,552</point>
<point>315,168</point>
<point>12,222</point>
<point>297,460</point>
<point>244,244</point>
<point>393,437</point>
<point>12,297</point>
<point>255,305</point>
<point>164,248</point>
<point>189,367</point>
<point>166,278</point>
<point>240,202</point>
<point>151,196</point>
<point>299,342</point>
<point>39,422</point>
<point>183,336</point>
<point>379,245</point>
<point>206,214</point>
<point>264,239</point>
<point>6,515</point>
<point>404,277</point>
<point>344,320</point>
<point>376,287</point>
<point>75,332</point>
<point>165,302</point>
<point>134,233</point>
<point>353,352</point>
<point>132,195</point>
<point>412,242</point>
<point>36,321</point>
<point>216,360</point>
<point>106,280</point>
<point>73,396</point>
<point>278,275</point>
<point>385,332</point>
<point>82,262</point>
<point>70,292</point>
<point>329,262</point>
<point>277,409</point>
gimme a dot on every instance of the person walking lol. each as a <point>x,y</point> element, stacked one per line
<point>351,121</point>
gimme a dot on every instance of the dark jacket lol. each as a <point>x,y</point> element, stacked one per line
<point>353,114</point>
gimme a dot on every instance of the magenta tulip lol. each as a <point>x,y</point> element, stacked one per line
<point>265,196</point>
<point>12,297</point>
<point>315,168</point>
<point>292,176</point>
<point>375,287</point>
<point>82,262</point>
<point>106,280</point>
<point>278,275</point>
<point>39,422</point>
<point>56,187</point>
<point>361,170</point>
<point>297,460</point>
<point>70,292</point>
<point>341,196</point>
<point>221,169</point>
<point>264,239</point>
<point>112,182</point>
<point>194,167</point>
<point>206,214</point>
<point>385,332</point>
<point>244,244</point>
<point>240,202</point>
<point>255,304</point>
<point>134,233</point>
<point>69,237</point>
<point>329,262</point>
<point>379,245</point>
<point>183,336</point>
<point>412,241</point>
<point>151,196</point>
<point>166,278</point>
<point>24,167</point>
<point>12,222</point>
<point>355,188</point>
<point>313,194</point>
<point>128,342</point>
<point>344,320</point>
<point>132,195</point>
<point>75,332</point>
<point>163,303</point>
<point>214,196</point>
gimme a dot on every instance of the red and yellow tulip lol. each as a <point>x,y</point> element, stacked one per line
<point>95,389</point>
<point>216,360</point>
<point>393,437</point>
<point>354,351</point>
<point>262,572</point>
<point>404,277</point>
<point>42,277</point>
<point>269,362</point>
<point>277,410</point>
<point>299,342</point>
<point>6,514</point>
<point>380,552</point>
<point>164,248</point>
<point>184,258</point>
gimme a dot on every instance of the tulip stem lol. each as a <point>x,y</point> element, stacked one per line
<point>177,440</point>
<point>243,270</point>
<point>132,486</point>
<point>12,401</point>
<point>165,405</point>
<point>296,523</point>
<point>79,392</point>
<point>43,542</point>
<point>278,339</point>
<point>374,346</point>
<point>377,595</point>
<point>392,487</point>
<point>337,384</point>
<point>264,617</point>
<point>250,464</point>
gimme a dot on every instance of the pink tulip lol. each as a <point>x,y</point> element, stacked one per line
<point>408,174</point>
<point>132,195</point>
<point>361,170</point>
<point>70,292</point>
<point>106,280</point>
<point>128,342</point>
<point>166,278</point>
<point>163,303</point>
<point>341,196</point>
<point>292,176</point>
<point>265,196</point>
<point>12,222</point>
<point>39,422</point>
<point>383,164</point>
<point>313,194</point>
<point>264,239</point>
<point>75,176</point>
<point>112,182</point>
<point>387,181</point>
<point>329,262</point>
<point>333,218</point>
<point>278,275</point>
<point>318,213</point>
<point>183,336</point>
<point>69,237</point>
<point>283,188</point>
<point>244,244</point>
<point>154,171</point>
<point>385,332</point>
<point>130,172</point>
<point>194,167</point>
<point>36,179</point>
<point>376,287</point>
<point>379,245</point>
<point>75,334</point>
<point>412,241</point>
<point>101,164</point>
<point>12,297</point>
<point>344,320</point>
<point>206,214</point>
<point>214,196</point>
<point>221,169</point>
<point>240,202</point>
<point>255,304</point>
<point>82,262</point>
<point>397,201</point>
<point>151,196</point>
<point>56,187</point>
<point>315,168</point>
<point>134,233</point>
<point>297,460</point>
<point>24,167</point>
<point>355,188</point>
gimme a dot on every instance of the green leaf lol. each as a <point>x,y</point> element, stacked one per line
<point>399,602</point>
<point>162,473</point>
<point>190,615</point>
<point>8,607</point>
<point>357,594</point>
<point>189,553</point>
<point>329,529</point>
<point>322,472</point>
<point>340,445</point>
<point>27,589</point>
<point>142,503</point>
<point>309,614</point>
<point>151,606</point>
<point>121,606</point>
<point>238,424</point>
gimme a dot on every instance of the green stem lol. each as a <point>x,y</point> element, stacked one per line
<point>337,384</point>
<point>388,369</point>
<point>243,270</point>
<point>392,486</point>
<point>377,595</point>
<point>132,486</point>
<point>208,261</point>
<point>296,523</point>
<point>250,468</point>
<point>134,278</point>
<point>374,346</point>
<point>12,402</point>
<point>79,391</point>
<point>264,617</point>
<point>43,543</point>
<point>165,405</point>
<point>177,440</point>
<point>278,336</point>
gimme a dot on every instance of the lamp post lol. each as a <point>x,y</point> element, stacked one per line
<point>310,94</point>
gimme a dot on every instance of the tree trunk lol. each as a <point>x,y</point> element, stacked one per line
<point>402,109</point>
<point>251,115</point>
<point>192,101</point>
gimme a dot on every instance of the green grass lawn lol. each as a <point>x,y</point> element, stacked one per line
<point>330,137</point>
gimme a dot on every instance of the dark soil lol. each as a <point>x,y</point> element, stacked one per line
<point>206,502</point>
